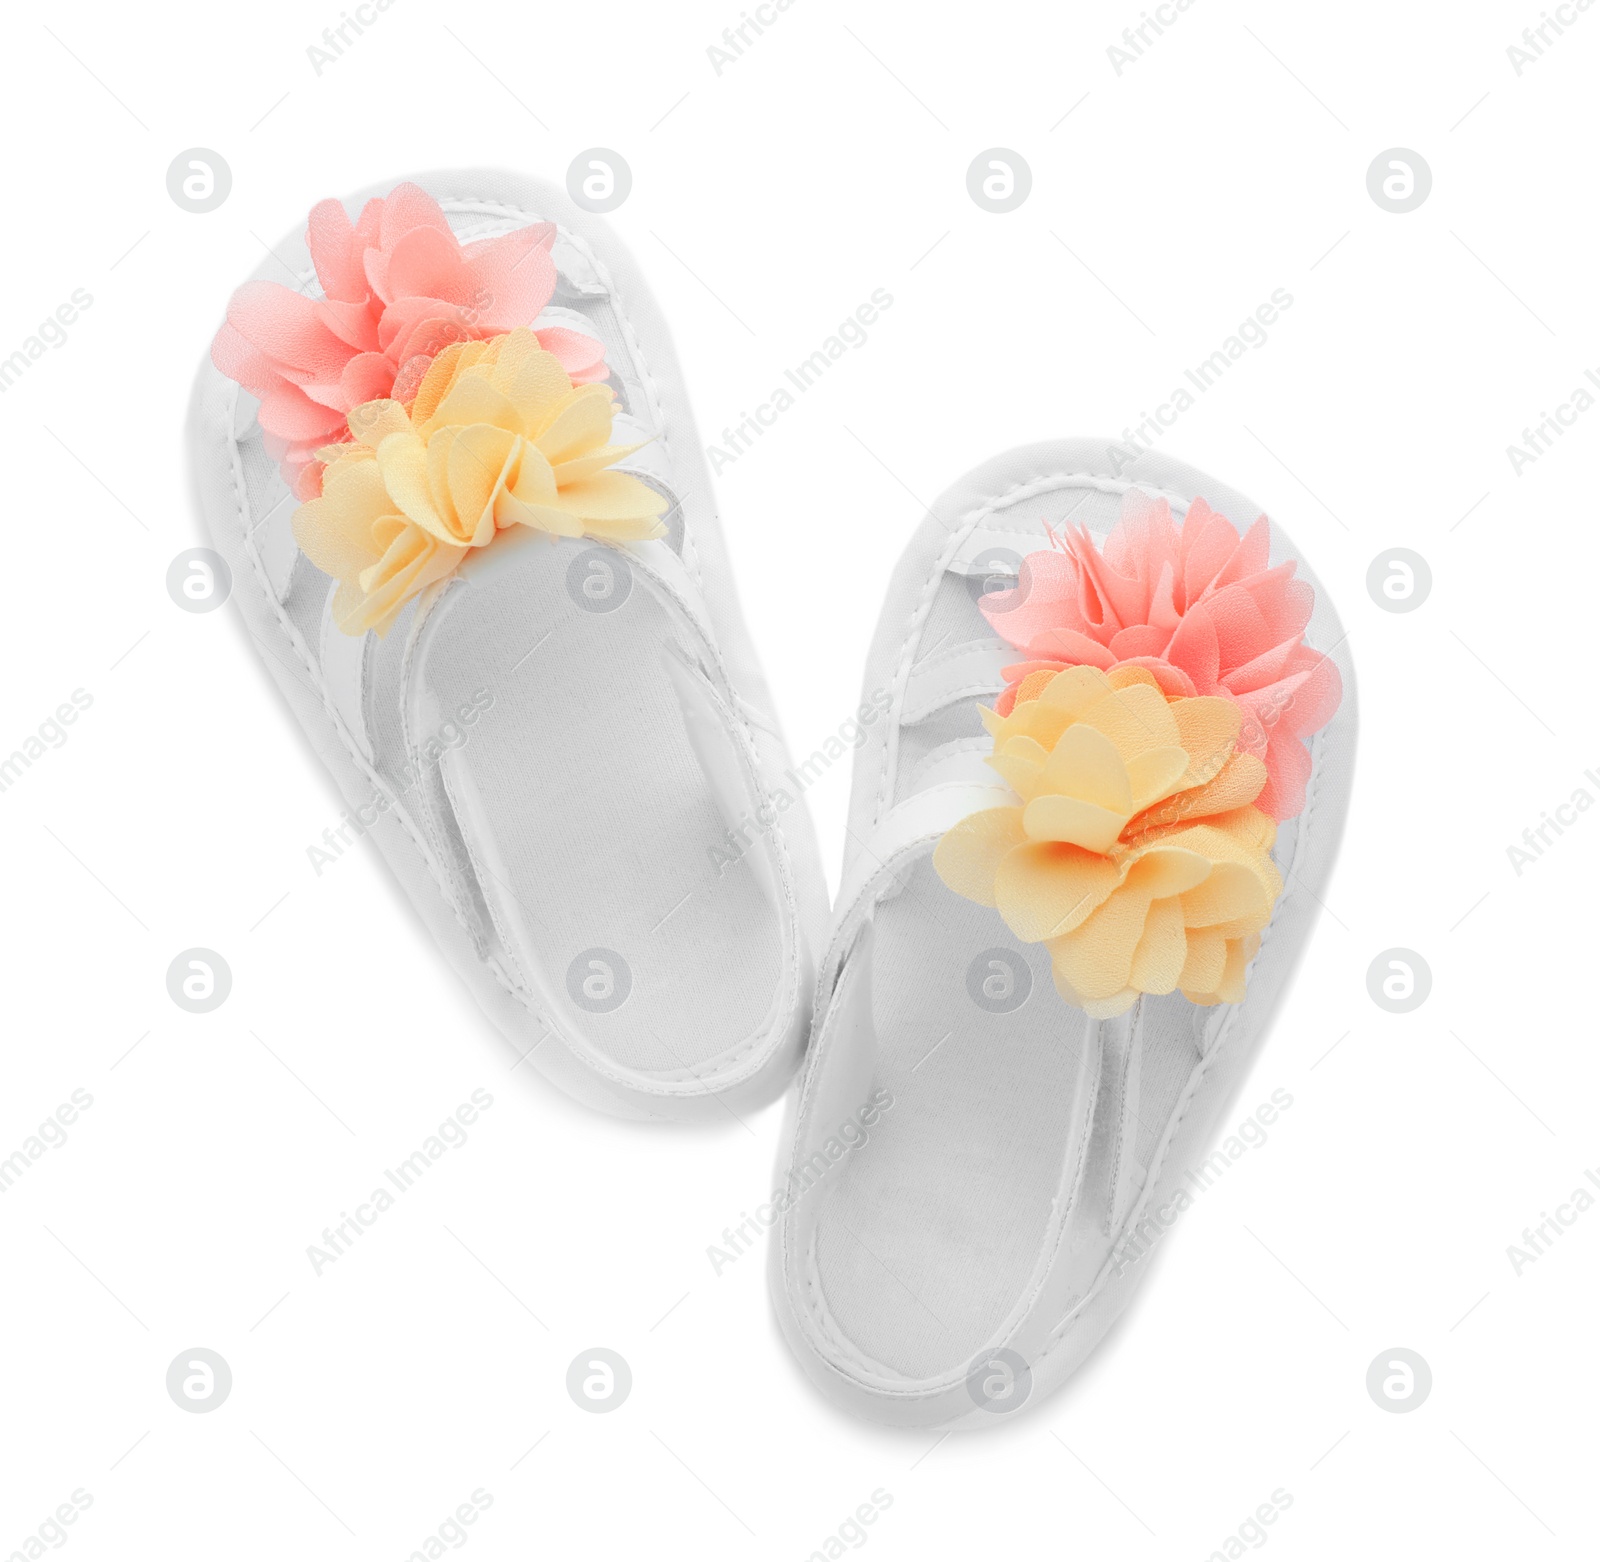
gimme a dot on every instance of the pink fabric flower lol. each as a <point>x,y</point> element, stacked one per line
<point>1199,607</point>
<point>397,287</point>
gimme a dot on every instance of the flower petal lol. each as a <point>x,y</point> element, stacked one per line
<point>1155,774</point>
<point>1052,817</point>
<point>426,263</point>
<point>405,207</point>
<point>403,461</point>
<point>513,274</point>
<point>372,422</point>
<point>1086,765</point>
<point>1021,761</point>
<point>1165,868</point>
<point>611,496</point>
<point>1230,893</point>
<point>1136,719</point>
<point>580,422</point>
<point>535,482</point>
<point>1238,783</point>
<point>580,467</point>
<point>331,238</point>
<point>479,464</point>
<point>335,530</point>
<point>473,399</point>
<point>285,326</point>
<point>1208,728</point>
<point>451,362</point>
<point>1205,961</point>
<point>287,413</point>
<point>1097,957</point>
<point>969,854</point>
<point>582,358</point>
<point>1043,889</point>
<point>1162,951</point>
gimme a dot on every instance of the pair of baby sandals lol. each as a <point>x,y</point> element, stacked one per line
<point>1101,760</point>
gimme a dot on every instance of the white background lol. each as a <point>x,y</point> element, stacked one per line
<point>768,202</point>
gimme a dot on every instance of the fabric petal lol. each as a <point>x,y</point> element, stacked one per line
<point>478,466</point>
<point>366,377</point>
<point>968,855</point>
<point>405,207</point>
<point>1208,729</point>
<point>1203,965</point>
<point>288,413</point>
<point>426,263</point>
<point>1097,958</point>
<point>285,326</point>
<point>611,496</point>
<point>403,461</point>
<point>582,358</point>
<point>330,236</point>
<point>1043,889</point>
<point>1052,817</point>
<point>579,423</point>
<point>514,275</point>
<point>1159,957</point>
<point>1088,763</point>
<point>1229,893</point>
<point>1288,771</point>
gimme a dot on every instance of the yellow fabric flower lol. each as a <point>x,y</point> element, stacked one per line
<point>497,436</point>
<point>1133,855</point>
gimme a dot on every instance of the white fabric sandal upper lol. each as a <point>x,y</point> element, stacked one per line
<point>568,745</point>
<point>962,1259</point>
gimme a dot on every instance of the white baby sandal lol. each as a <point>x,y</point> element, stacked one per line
<point>1064,921</point>
<point>457,485</point>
